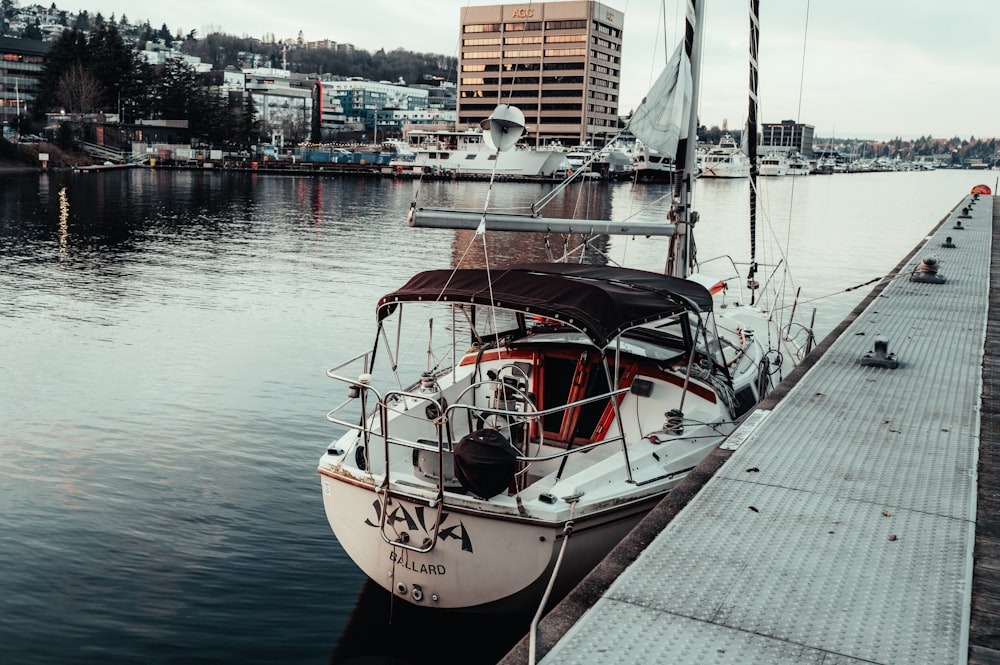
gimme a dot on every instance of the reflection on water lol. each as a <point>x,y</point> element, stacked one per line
<point>387,631</point>
<point>165,337</point>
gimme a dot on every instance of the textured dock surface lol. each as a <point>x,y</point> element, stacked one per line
<point>843,528</point>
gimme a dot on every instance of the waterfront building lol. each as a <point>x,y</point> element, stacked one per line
<point>369,110</point>
<point>21,63</point>
<point>787,136</point>
<point>283,101</point>
<point>441,94</point>
<point>559,62</point>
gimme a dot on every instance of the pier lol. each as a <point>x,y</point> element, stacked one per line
<point>852,518</point>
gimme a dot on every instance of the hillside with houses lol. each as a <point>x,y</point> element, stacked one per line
<point>78,72</point>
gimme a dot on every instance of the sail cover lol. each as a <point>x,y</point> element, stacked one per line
<point>661,120</point>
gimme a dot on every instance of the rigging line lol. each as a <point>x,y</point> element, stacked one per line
<point>458,46</point>
<point>802,67</point>
<point>481,231</point>
<point>545,200</point>
<point>533,629</point>
<point>837,293</point>
<point>783,257</point>
<point>798,118</point>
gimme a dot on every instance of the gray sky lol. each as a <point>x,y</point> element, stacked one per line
<point>851,68</point>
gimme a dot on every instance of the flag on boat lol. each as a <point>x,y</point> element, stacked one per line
<point>661,120</point>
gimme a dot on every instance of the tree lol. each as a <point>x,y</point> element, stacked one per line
<point>118,66</point>
<point>165,36</point>
<point>248,126</point>
<point>82,22</point>
<point>78,91</point>
<point>174,89</point>
<point>210,117</point>
<point>69,50</point>
<point>33,31</point>
<point>64,137</point>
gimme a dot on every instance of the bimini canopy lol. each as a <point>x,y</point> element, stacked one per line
<point>601,301</point>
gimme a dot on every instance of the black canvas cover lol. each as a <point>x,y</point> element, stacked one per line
<point>601,301</point>
<point>485,463</point>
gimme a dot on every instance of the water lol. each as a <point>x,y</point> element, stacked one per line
<point>163,343</point>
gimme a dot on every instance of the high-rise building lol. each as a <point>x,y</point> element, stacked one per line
<point>559,62</point>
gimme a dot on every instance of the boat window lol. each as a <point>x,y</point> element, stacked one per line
<point>558,376</point>
<point>659,345</point>
<point>566,376</point>
<point>705,337</point>
<point>590,414</point>
<point>671,337</point>
<point>490,321</point>
<point>470,156</point>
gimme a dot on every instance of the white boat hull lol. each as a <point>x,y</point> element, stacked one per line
<point>481,562</point>
<point>725,171</point>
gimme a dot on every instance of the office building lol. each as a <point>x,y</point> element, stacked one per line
<point>787,136</point>
<point>21,64</point>
<point>559,62</point>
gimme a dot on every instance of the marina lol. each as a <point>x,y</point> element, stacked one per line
<point>500,357</point>
<point>167,337</point>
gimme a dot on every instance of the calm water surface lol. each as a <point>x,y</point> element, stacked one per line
<point>163,345</point>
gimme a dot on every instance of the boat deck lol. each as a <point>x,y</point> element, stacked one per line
<point>841,526</point>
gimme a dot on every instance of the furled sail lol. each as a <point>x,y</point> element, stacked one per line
<point>661,120</point>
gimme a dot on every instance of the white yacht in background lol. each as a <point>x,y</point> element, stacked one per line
<point>468,154</point>
<point>798,165</point>
<point>773,164</point>
<point>725,160</point>
<point>614,162</point>
<point>651,165</point>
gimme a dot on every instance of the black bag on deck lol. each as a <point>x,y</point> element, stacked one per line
<point>485,463</point>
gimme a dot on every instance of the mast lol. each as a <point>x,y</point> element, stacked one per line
<point>751,142</point>
<point>681,255</point>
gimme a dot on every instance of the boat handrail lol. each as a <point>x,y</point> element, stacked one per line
<point>507,413</point>
<point>332,371</point>
<point>383,402</point>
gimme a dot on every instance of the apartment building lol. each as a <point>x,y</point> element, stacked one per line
<point>559,62</point>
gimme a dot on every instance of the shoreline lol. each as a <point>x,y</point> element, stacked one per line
<point>17,170</point>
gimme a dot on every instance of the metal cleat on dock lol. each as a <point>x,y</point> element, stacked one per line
<point>926,272</point>
<point>880,356</point>
<point>948,243</point>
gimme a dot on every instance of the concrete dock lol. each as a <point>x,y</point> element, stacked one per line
<point>852,518</point>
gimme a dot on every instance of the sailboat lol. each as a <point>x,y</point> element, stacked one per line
<point>549,406</point>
